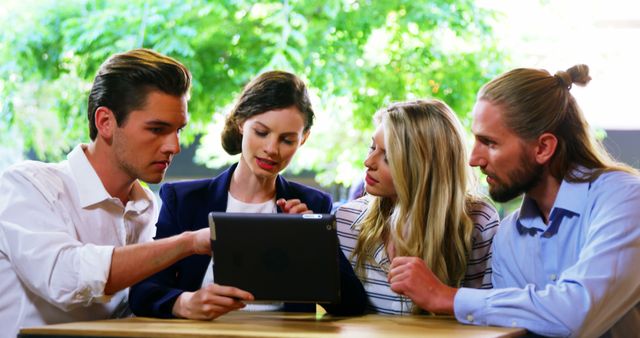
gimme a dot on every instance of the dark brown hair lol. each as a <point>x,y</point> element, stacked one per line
<point>269,91</point>
<point>124,81</point>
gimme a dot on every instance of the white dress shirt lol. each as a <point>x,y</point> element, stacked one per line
<point>58,229</point>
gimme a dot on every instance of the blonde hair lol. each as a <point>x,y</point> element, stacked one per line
<point>427,158</point>
<point>536,102</point>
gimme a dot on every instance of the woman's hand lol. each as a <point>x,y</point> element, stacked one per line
<point>293,206</point>
<point>410,276</point>
<point>210,302</point>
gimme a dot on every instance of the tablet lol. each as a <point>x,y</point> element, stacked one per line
<point>277,257</point>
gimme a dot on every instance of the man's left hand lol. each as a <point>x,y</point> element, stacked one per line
<point>410,276</point>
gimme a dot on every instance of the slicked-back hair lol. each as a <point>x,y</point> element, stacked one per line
<point>124,81</point>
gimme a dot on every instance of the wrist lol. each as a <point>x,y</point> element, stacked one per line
<point>439,300</point>
<point>178,307</point>
<point>188,243</point>
<point>448,297</point>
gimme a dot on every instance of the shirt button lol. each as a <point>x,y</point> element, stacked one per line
<point>514,323</point>
<point>470,318</point>
<point>553,277</point>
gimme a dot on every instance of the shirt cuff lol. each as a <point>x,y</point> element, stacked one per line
<point>468,305</point>
<point>93,268</point>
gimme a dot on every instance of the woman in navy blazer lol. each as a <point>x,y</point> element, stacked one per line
<point>271,119</point>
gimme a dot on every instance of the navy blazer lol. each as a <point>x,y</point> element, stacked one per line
<point>186,206</point>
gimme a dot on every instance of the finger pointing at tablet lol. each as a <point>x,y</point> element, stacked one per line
<point>293,206</point>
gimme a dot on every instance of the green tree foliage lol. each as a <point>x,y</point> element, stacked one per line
<point>356,56</point>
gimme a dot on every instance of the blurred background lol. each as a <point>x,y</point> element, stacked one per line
<point>355,56</point>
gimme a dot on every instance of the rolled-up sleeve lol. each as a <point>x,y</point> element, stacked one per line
<point>43,248</point>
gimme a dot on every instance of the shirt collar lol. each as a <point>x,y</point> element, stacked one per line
<point>140,198</point>
<point>90,188</point>
<point>91,191</point>
<point>570,199</point>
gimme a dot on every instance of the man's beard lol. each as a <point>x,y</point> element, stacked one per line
<point>525,177</point>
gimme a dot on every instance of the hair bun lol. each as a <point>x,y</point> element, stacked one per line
<point>564,79</point>
<point>578,74</point>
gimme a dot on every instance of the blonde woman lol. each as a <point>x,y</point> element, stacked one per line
<point>420,210</point>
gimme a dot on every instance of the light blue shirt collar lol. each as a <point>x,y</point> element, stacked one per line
<point>570,199</point>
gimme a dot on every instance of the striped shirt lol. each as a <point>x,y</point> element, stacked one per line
<point>384,301</point>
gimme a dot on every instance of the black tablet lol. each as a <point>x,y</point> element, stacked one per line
<point>277,257</point>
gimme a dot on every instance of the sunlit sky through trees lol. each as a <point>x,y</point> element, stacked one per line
<point>355,56</point>
<point>555,35</point>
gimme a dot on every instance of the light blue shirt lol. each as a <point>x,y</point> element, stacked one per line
<point>577,276</point>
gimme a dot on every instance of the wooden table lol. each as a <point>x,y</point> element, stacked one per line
<point>274,324</point>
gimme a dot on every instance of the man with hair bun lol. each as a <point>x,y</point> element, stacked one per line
<point>565,263</point>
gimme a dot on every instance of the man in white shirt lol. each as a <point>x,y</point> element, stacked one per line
<point>75,235</point>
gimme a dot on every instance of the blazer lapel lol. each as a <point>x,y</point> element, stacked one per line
<point>219,190</point>
<point>282,190</point>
